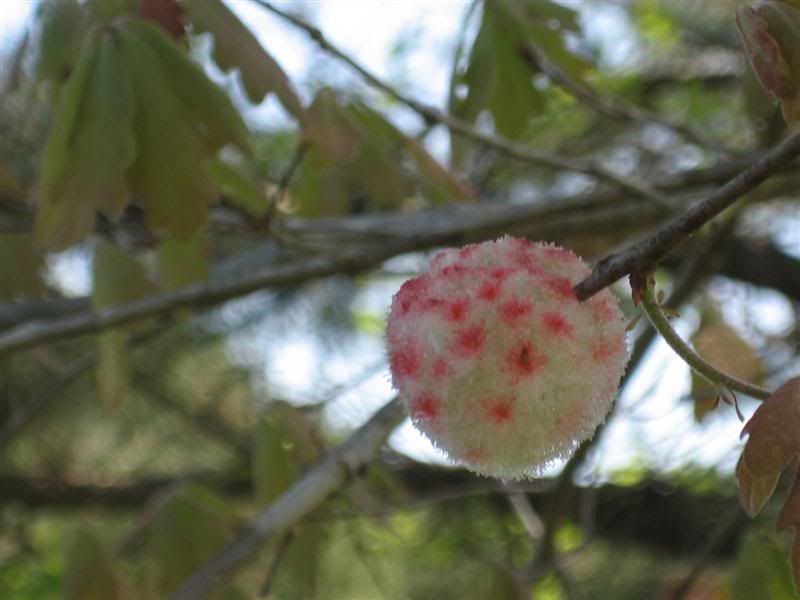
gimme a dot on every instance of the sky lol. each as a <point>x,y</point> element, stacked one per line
<point>656,426</point>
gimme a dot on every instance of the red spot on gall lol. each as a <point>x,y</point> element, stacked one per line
<point>561,286</point>
<point>524,361</point>
<point>457,310</point>
<point>489,290</point>
<point>440,368</point>
<point>514,309</point>
<point>405,362</point>
<point>470,340</point>
<point>425,406</point>
<point>499,411</point>
<point>557,325</point>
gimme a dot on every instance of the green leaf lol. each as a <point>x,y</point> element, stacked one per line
<point>303,559</point>
<point>190,525</point>
<point>171,169</point>
<point>239,188</point>
<point>205,102</point>
<point>514,98</point>
<point>113,377</point>
<point>117,278</point>
<point>20,266</point>
<point>183,263</point>
<point>90,148</point>
<point>235,46</point>
<point>329,128</point>
<point>441,185</point>
<point>789,517</point>
<point>62,22</point>
<point>90,572</point>
<point>283,442</point>
<point>760,570</point>
<point>359,161</point>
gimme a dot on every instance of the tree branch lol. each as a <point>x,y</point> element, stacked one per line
<point>644,254</point>
<point>384,236</point>
<point>304,496</point>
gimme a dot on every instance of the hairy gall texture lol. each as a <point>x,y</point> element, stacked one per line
<point>498,363</point>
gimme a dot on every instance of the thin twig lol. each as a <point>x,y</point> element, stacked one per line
<point>718,378</point>
<point>284,542</point>
<point>432,114</point>
<point>283,184</point>
<point>644,254</point>
<point>328,476</point>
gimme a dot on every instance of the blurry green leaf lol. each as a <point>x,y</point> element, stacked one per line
<point>514,98</point>
<point>283,443</point>
<point>761,570</point>
<point>171,167</point>
<point>497,78</point>
<point>235,46</point>
<point>239,188</point>
<point>62,22</point>
<point>90,148</point>
<point>205,103</point>
<point>183,263</point>
<point>789,518</point>
<point>117,278</point>
<point>90,573</point>
<point>301,567</point>
<point>188,528</point>
<point>112,367</point>
<point>20,266</point>
<point>358,161</point>
<point>442,186</point>
<point>329,129</point>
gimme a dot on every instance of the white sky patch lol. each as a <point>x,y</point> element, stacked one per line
<point>71,271</point>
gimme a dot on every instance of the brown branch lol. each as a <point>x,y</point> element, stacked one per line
<point>646,253</point>
<point>303,497</point>
<point>553,220</point>
<point>197,295</point>
<point>510,148</point>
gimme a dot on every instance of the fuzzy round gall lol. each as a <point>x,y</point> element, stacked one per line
<point>497,361</point>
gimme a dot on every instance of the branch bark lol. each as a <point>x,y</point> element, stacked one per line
<point>303,497</point>
<point>650,250</point>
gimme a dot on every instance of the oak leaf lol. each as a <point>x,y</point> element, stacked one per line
<point>774,442</point>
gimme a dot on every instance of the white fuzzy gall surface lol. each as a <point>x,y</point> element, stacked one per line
<point>498,363</point>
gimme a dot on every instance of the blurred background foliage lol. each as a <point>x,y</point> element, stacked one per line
<point>133,163</point>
